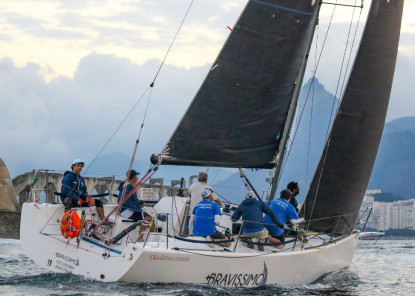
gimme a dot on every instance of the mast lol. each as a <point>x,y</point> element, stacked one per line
<point>291,113</point>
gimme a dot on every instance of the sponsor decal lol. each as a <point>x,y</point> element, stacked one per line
<point>170,258</point>
<point>237,280</point>
<point>68,259</point>
<point>64,266</point>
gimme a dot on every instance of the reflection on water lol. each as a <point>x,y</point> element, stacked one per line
<point>386,269</point>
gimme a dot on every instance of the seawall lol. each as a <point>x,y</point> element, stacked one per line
<point>9,224</point>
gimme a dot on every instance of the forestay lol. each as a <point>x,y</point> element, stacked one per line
<point>238,115</point>
<point>340,181</point>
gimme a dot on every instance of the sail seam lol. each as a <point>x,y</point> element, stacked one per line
<point>367,92</point>
<point>281,7</point>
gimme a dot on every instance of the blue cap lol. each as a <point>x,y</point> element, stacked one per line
<point>133,173</point>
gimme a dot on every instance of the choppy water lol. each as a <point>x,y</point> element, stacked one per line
<point>386,269</point>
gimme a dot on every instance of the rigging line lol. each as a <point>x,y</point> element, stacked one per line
<point>309,89</point>
<point>325,151</point>
<point>145,115</point>
<point>312,104</point>
<point>350,54</point>
<point>311,115</point>
<point>112,232</point>
<point>215,176</point>
<point>309,134</point>
<point>115,131</point>
<point>162,63</point>
<point>223,197</point>
<point>340,74</point>
<point>214,255</point>
<point>367,249</point>
<point>47,223</point>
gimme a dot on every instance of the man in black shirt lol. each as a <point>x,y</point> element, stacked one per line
<point>293,187</point>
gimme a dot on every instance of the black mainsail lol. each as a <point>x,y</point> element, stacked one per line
<point>338,187</point>
<point>238,115</point>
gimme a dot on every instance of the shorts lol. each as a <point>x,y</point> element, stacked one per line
<point>74,203</point>
<point>281,237</point>
<point>259,234</point>
<point>137,216</point>
<point>218,235</point>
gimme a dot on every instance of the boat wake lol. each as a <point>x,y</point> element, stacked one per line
<point>338,283</point>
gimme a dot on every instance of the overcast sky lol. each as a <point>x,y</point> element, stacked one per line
<point>71,70</point>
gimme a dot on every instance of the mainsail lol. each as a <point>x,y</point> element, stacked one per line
<point>338,187</point>
<point>239,113</point>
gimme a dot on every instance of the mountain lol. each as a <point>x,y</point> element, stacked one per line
<point>400,125</point>
<point>394,169</point>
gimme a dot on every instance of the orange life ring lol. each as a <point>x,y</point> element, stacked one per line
<point>70,225</point>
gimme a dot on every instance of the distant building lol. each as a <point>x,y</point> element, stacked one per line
<point>387,215</point>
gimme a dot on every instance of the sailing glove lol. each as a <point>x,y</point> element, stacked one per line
<point>84,198</point>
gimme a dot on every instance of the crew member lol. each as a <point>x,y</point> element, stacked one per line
<point>285,212</point>
<point>295,190</point>
<point>252,211</point>
<point>131,208</point>
<point>195,191</point>
<point>205,216</point>
<point>74,191</point>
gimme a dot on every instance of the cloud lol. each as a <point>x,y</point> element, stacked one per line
<point>56,34</point>
<point>23,22</point>
<point>6,38</point>
<point>49,124</point>
<point>73,20</point>
<point>38,28</point>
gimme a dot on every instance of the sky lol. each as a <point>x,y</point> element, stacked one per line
<point>71,71</point>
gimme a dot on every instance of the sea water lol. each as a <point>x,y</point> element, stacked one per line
<point>384,268</point>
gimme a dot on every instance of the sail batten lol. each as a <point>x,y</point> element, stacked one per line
<point>336,192</point>
<point>239,113</point>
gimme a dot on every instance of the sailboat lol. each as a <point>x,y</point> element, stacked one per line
<point>241,117</point>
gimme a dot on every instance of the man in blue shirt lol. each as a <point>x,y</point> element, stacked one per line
<point>74,192</point>
<point>205,216</point>
<point>285,212</point>
<point>252,211</point>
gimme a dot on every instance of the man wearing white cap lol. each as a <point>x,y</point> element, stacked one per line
<point>74,192</point>
<point>205,216</point>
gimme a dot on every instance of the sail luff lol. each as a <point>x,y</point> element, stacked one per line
<point>291,113</point>
<point>340,181</point>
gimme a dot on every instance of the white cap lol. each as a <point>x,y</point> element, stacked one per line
<point>78,161</point>
<point>249,194</point>
<point>207,192</point>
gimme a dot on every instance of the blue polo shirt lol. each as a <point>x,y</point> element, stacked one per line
<point>205,212</point>
<point>285,212</point>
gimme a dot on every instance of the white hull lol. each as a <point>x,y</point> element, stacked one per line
<point>190,263</point>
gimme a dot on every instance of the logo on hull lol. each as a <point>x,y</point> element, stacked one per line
<point>169,258</point>
<point>238,280</point>
<point>68,259</point>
